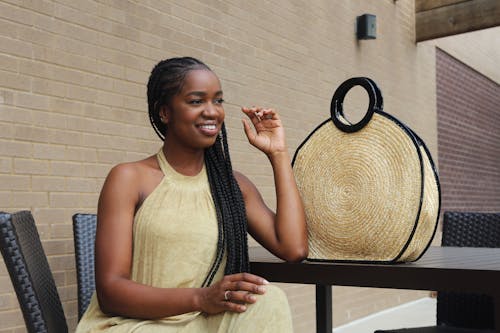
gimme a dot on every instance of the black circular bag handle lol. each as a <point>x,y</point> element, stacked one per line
<point>379,104</point>
<point>336,106</point>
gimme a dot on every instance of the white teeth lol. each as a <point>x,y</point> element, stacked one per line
<point>209,127</point>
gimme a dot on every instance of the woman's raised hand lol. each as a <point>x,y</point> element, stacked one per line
<point>269,135</point>
<point>232,293</point>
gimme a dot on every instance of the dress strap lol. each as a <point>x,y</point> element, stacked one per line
<point>162,161</point>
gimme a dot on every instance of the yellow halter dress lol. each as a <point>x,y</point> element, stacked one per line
<point>175,242</point>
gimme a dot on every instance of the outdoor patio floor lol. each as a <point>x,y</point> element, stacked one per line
<point>421,312</point>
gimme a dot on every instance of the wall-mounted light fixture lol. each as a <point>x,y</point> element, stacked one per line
<point>366,26</point>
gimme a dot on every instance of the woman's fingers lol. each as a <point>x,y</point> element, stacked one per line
<point>232,293</point>
<point>241,297</point>
<point>248,277</point>
<point>235,307</point>
<point>269,114</point>
<point>246,287</point>
<point>240,289</point>
<point>248,131</point>
<point>257,114</point>
<point>236,300</point>
<point>253,113</point>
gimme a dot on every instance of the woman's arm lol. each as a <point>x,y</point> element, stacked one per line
<point>117,293</point>
<point>284,232</point>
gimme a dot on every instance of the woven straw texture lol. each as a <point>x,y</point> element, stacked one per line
<point>429,212</point>
<point>30,274</point>
<point>352,184</point>
<point>370,190</point>
<point>84,228</point>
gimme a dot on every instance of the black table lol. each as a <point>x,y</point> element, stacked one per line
<point>441,268</point>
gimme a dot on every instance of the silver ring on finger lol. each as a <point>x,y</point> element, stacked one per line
<point>227,295</point>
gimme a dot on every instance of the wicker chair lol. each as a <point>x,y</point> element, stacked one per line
<point>459,312</point>
<point>30,274</point>
<point>84,227</point>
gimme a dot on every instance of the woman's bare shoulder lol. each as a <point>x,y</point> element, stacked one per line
<point>245,184</point>
<point>241,178</point>
<point>134,171</point>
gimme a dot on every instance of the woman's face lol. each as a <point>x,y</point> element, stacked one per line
<point>194,116</point>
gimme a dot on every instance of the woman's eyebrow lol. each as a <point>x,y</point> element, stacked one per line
<point>202,93</point>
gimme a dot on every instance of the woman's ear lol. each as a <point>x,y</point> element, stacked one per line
<point>165,114</point>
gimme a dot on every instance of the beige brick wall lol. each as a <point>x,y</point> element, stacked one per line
<point>72,101</point>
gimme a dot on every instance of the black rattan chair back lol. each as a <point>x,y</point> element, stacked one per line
<point>84,227</point>
<point>463,312</point>
<point>30,274</point>
<point>464,229</point>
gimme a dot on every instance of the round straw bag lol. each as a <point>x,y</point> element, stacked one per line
<point>370,190</point>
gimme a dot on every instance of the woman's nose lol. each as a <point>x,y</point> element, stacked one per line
<point>210,109</point>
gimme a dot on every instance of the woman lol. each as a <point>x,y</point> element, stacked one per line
<point>171,244</point>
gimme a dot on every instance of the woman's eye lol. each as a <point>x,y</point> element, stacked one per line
<point>219,101</point>
<point>196,102</point>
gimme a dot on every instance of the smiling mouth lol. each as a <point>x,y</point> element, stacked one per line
<point>210,127</point>
<point>209,130</point>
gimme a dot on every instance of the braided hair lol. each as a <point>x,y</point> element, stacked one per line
<point>166,80</point>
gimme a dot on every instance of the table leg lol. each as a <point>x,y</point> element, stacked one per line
<point>496,301</point>
<point>323,309</point>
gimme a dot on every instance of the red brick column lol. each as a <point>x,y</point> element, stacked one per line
<point>468,108</point>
